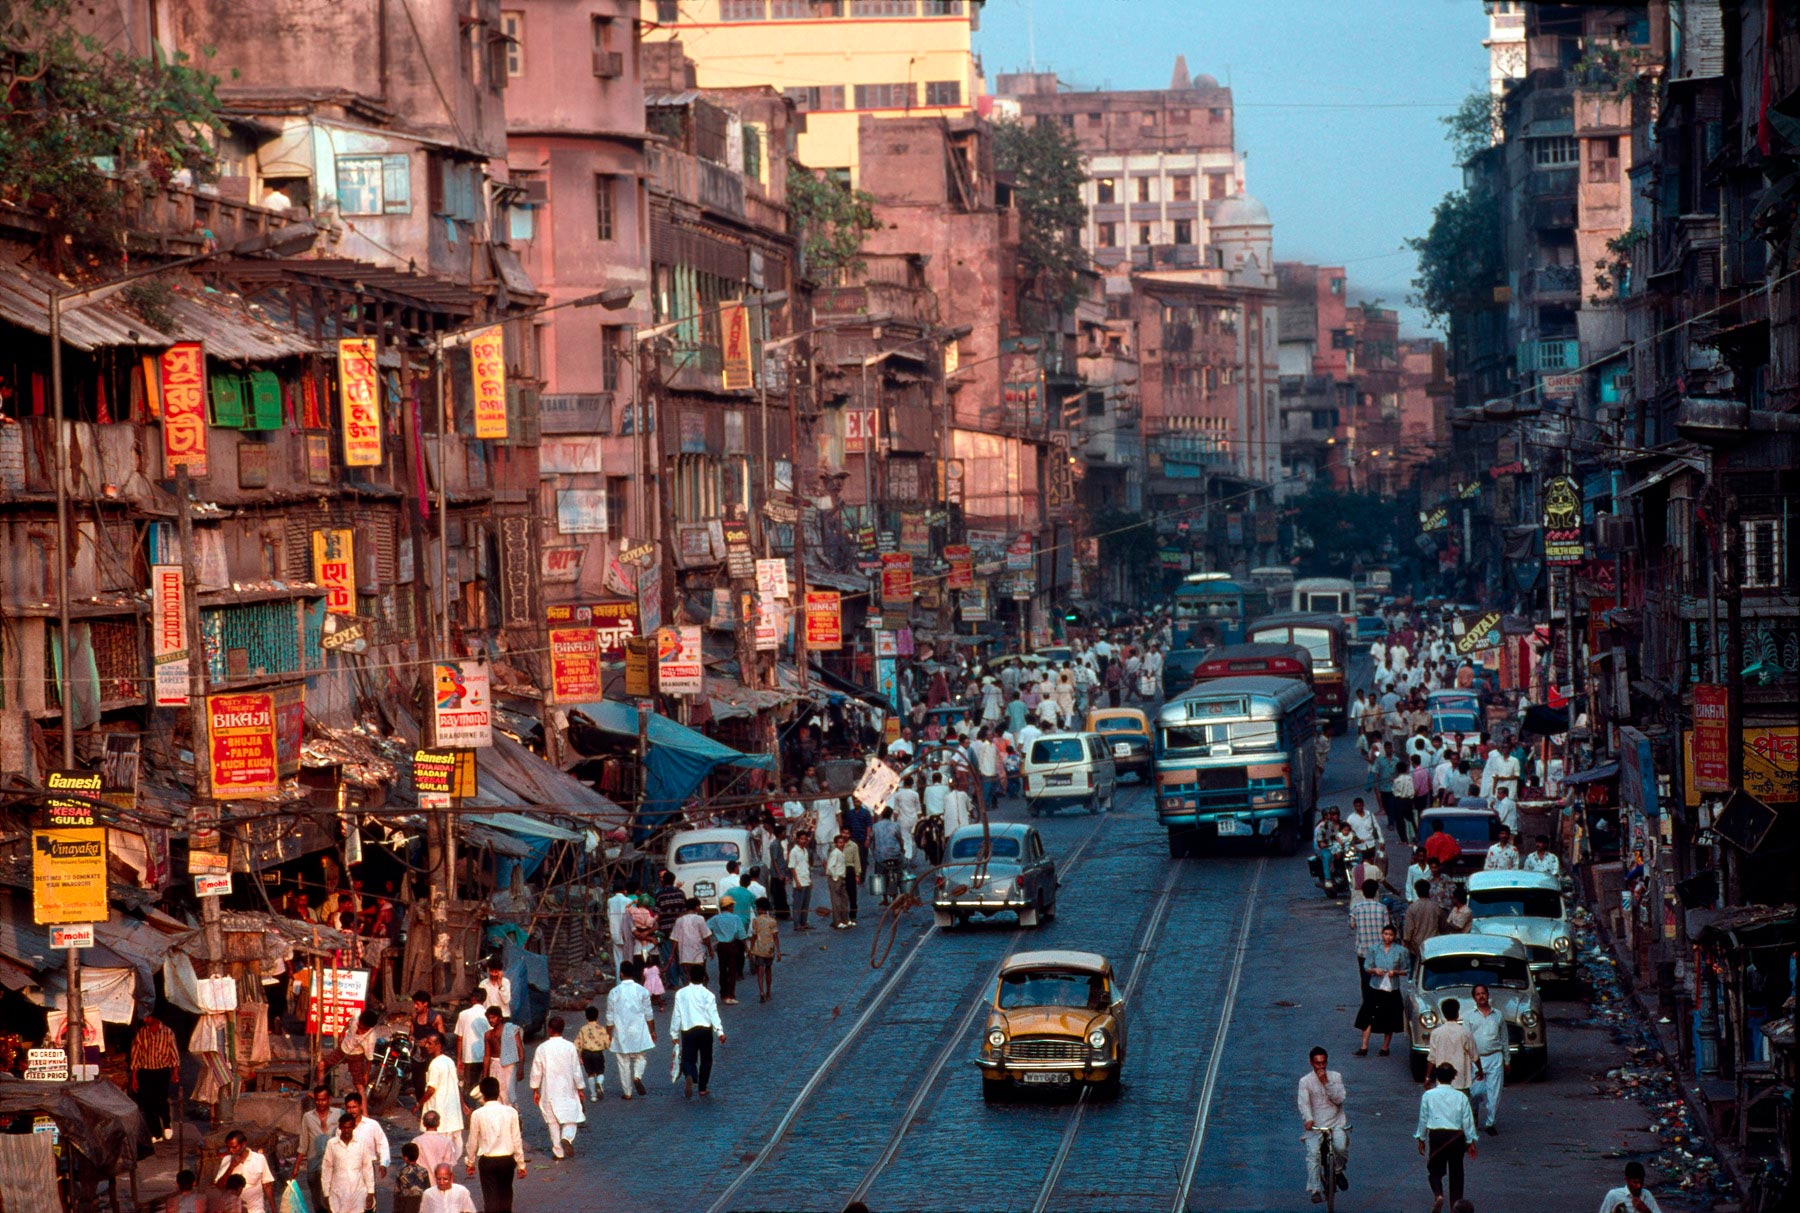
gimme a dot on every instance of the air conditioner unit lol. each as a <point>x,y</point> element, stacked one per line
<point>609,65</point>
<point>1616,533</point>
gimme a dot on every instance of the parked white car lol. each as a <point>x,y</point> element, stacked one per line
<point>1069,770</point>
<point>698,859</point>
<point>1528,907</point>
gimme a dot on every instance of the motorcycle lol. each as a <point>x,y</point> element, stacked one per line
<point>390,1070</point>
<point>1332,874</point>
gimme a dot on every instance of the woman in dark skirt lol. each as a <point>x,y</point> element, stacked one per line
<point>1381,1010</point>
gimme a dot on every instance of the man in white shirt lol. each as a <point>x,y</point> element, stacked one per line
<point>800,885</point>
<point>1634,1197</point>
<point>1500,769</point>
<point>987,765</point>
<point>369,1133</point>
<point>933,798</point>
<point>1502,856</point>
<point>498,988</point>
<point>434,1146</point>
<point>1320,1099</point>
<point>1452,1045</point>
<point>1446,1130</point>
<point>471,1034</point>
<point>1488,1028</point>
<point>907,806</point>
<point>316,1127</point>
<point>556,1083</point>
<point>618,923</point>
<point>900,750</point>
<point>1419,869</point>
<point>1027,737</point>
<point>259,1180</point>
<point>1362,823</point>
<point>446,1195</point>
<point>631,1017</point>
<point>1507,809</point>
<point>957,811</point>
<point>443,1095</point>
<point>348,1172</point>
<point>495,1148</point>
<point>695,1022</point>
<point>1542,860</point>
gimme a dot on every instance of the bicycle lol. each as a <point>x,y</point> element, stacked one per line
<point>1331,1165</point>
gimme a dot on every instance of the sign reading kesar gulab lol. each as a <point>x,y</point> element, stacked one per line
<point>575,665</point>
<point>360,402</point>
<point>241,731</point>
<point>334,567</point>
<point>487,365</point>
<point>184,408</point>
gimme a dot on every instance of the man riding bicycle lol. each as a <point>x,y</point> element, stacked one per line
<point>1320,1099</point>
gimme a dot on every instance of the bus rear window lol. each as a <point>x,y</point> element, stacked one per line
<point>1316,641</point>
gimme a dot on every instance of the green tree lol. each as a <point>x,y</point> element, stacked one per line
<point>832,221</point>
<point>1341,527</point>
<point>1128,541</point>
<point>1472,128</point>
<point>1460,256</point>
<point>78,119</point>
<point>1045,161</point>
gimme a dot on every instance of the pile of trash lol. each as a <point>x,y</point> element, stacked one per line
<point>1681,1156</point>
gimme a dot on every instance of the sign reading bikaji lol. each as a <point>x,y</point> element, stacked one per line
<point>184,408</point>
<point>575,674</point>
<point>246,763</point>
<point>824,620</point>
<point>487,367</point>
<point>359,399</point>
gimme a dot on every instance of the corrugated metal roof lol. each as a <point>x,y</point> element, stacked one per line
<point>25,301</point>
<point>232,328</point>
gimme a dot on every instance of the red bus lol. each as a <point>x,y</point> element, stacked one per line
<point>1269,660</point>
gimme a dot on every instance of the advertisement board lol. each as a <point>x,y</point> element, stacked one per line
<point>575,665</point>
<point>896,580</point>
<point>184,408</point>
<point>824,620</point>
<point>168,622</point>
<point>462,706</point>
<point>1712,739</point>
<point>734,329</point>
<point>772,579</point>
<point>240,729</point>
<point>444,772</point>
<point>338,997</point>
<point>1562,521</point>
<point>68,797</point>
<point>334,567</point>
<point>962,566</point>
<point>487,368</point>
<point>68,876</point>
<point>1771,764</point>
<point>359,400</point>
<point>680,669</point>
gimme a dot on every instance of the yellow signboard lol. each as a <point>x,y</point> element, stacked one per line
<point>68,876</point>
<point>1771,764</point>
<point>487,366</point>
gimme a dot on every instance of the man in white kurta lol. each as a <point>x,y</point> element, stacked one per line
<point>556,1086</point>
<point>347,1176</point>
<point>442,1092</point>
<point>631,1017</point>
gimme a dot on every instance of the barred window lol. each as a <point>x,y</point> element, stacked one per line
<point>884,96</point>
<point>943,92</point>
<point>817,97</point>
<point>742,10</point>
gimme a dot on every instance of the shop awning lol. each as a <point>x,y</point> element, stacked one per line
<point>1688,464</point>
<point>525,827</point>
<point>1606,770</point>
<point>679,758</point>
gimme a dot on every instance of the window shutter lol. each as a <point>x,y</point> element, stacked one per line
<point>522,423</point>
<point>396,184</point>
<point>228,401</point>
<point>264,412</point>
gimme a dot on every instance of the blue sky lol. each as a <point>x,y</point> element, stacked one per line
<point>1337,103</point>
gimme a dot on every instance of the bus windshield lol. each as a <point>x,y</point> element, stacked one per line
<point>1207,608</point>
<point>1316,641</point>
<point>1240,737</point>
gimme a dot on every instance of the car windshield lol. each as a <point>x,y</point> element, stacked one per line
<point>1453,721</point>
<point>1451,972</point>
<point>718,851</point>
<point>1039,988</point>
<point>1469,831</point>
<point>1058,749</point>
<point>999,847</point>
<point>1243,737</point>
<point>1117,724</point>
<point>1516,903</point>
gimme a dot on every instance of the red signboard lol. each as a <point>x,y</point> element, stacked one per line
<point>613,622</point>
<point>824,620</point>
<point>896,579</point>
<point>360,400</point>
<point>575,665</point>
<point>962,567</point>
<point>1712,738</point>
<point>184,408</point>
<point>241,730</point>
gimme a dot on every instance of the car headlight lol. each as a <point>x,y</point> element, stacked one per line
<point>996,1037</point>
<point>1428,1019</point>
<point>1097,1039</point>
<point>1562,943</point>
<point>1529,1019</point>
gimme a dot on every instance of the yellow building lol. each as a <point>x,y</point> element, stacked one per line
<point>838,59</point>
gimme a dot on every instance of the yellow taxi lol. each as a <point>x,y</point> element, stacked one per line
<point>1126,732</point>
<point>1056,1020</point>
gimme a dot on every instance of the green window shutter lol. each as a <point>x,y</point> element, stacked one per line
<point>265,402</point>
<point>228,401</point>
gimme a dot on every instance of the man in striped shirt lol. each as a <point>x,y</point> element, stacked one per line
<point>154,1060</point>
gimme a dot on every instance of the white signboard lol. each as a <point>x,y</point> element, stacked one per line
<point>463,705</point>
<point>581,511</point>
<point>680,669</point>
<point>568,456</point>
<point>75,935</point>
<point>772,579</point>
<point>46,1065</point>
<point>878,783</point>
<point>212,884</point>
<point>168,606</point>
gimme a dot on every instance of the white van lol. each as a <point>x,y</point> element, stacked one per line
<point>698,859</point>
<point>1069,769</point>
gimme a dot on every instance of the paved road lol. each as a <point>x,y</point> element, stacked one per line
<point>855,1081</point>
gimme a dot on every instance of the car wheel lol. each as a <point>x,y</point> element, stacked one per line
<point>1108,1087</point>
<point>993,1090</point>
<point>1049,911</point>
<point>1418,1065</point>
<point>1093,804</point>
<point>1288,837</point>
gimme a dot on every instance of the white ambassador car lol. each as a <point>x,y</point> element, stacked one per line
<point>1451,966</point>
<point>698,859</point>
<point>1528,907</point>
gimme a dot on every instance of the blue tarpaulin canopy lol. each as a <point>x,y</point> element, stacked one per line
<point>678,758</point>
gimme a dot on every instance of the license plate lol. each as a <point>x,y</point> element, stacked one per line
<point>1050,1076</point>
<point>1230,827</point>
<point>1058,781</point>
<point>1121,749</point>
<point>703,888</point>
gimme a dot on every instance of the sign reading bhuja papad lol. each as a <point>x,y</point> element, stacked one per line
<point>824,620</point>
<point>360,401</point>
<point>487,366</point>
<point>575,665</point>
<point>334,567</point>
<point>184,408</point>
<point>246,763</point>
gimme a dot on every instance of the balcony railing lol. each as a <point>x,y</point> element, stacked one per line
<point>1552,280</point>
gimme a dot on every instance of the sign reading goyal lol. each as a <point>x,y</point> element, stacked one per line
<point>168,606</point>
<point>359,401</point>
<point>184,408</point>
<point>462,704</point>
<point>1712,738</point>
<point>487,367</point>
<point>240,731</point>
<point>444,772</point>
<point>1479,632</point>
<point>824,619</point>
<point>334,567</point>
<point>68,876</point>
<point>575,665</point>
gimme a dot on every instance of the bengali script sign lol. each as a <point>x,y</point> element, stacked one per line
<point>184,408</point>
<point>334,567</point>
<point>360,402</point>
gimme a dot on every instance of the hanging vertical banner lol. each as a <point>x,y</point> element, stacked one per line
<point>824,619</point>
<point>240,731</point>
<point>168,607</point>
<point>463,707</point>
<point>1562,521</point>
<point>575,665</point>
<point>768,625</point>
<point>734,329</point>
<point>679,668</point>
<point>334,567</point>
<point>360,401</point>
<point>772,579</point>
<point>1022,381</point>
<point>487,365</point>
<point>184,408</point>
<point>896,579</point>
<point>962,567</point>
<point>1712,738</point>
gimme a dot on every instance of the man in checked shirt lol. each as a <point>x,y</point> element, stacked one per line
<point>154,1060</point>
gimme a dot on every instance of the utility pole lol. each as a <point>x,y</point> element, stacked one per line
<point>802,659</point>
<point>75,1028</point>
<point>441,827</point>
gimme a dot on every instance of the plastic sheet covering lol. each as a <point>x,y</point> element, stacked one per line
<point>96,1118</point>
<point>27,1171</point>
<point>678,759</point>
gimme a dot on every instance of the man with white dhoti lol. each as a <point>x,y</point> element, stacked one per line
<point>556,1081</point>
<point>347,1175</point>
<point>618,922</point>
<point>442,1093</point>
<point>631,1017</point>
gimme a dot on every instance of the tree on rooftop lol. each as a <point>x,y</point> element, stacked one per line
<point>831,220</point>
<point>1045,161</point>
